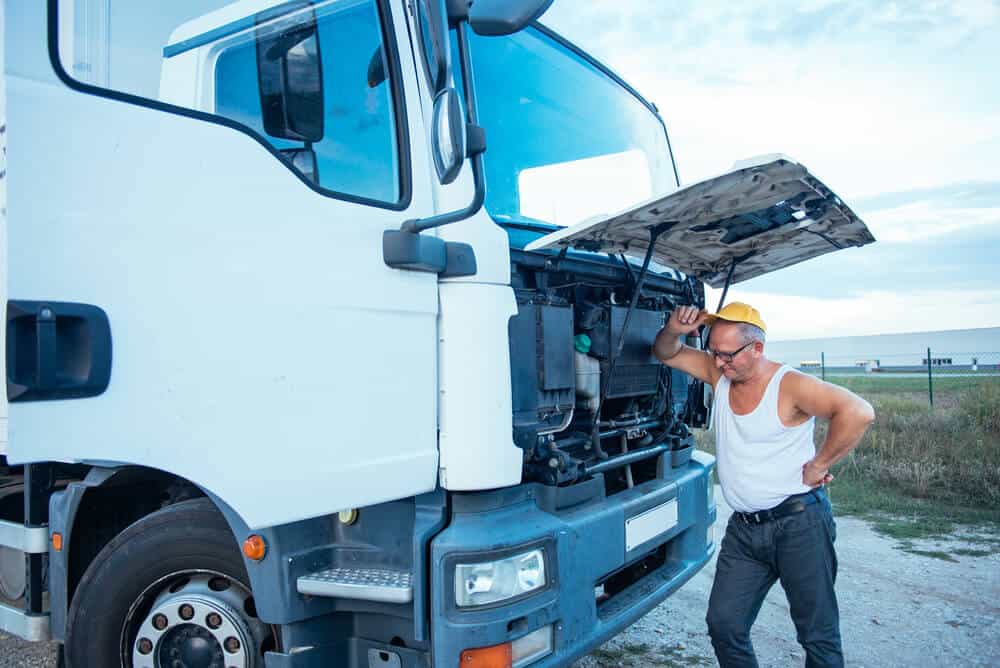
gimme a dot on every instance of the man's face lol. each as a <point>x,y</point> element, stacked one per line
<point>727,339</point>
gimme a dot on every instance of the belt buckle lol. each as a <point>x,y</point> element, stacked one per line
<point>756,517</point>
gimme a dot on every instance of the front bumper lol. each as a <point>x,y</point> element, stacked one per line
<point>586,543</point>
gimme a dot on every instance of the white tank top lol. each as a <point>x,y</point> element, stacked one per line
<point>759,459</point>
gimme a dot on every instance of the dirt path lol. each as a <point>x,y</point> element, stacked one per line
<point>897,609</point>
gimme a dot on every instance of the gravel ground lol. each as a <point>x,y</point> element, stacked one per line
<point>16,652</point>
<point>897,609</point>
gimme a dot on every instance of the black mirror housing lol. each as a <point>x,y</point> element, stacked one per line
<point>289,74</point>
<point>420,252</point>
<point>504,17</point>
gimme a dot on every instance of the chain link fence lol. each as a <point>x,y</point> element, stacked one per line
<point>923,370</point>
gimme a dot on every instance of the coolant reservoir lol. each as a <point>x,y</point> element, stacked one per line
<point>588,372</point>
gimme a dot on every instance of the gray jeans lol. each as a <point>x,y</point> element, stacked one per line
<point>798,551</point>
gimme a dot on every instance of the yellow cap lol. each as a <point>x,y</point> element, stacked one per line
<point>738,312</point>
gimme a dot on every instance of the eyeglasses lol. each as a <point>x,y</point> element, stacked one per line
<point>728,357</point>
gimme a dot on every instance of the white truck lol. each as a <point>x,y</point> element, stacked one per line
<point>314,360</point>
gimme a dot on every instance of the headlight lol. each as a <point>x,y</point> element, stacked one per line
<point>491,581</point>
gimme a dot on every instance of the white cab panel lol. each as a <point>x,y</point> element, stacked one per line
<point>477,449</point>
<point>3,233</point>
<point>262,349</point>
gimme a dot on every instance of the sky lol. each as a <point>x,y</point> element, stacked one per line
<point>895,106</point>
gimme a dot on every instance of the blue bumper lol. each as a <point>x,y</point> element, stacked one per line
<point>585,545</point>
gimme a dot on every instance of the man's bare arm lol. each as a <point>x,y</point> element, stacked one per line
<point>849,417</point>
<point>670,350</point>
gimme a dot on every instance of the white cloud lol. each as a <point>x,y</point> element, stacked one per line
<point>871,99</point>
<point>919,221</point>
<point>874,312</point>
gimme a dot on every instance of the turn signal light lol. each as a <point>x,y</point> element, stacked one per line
<point>497,656</point>
<point>57,541</point>
<point>254,548</point>
<point>517,654</point>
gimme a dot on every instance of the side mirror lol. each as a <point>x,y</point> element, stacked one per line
<point>303,160</point>
<point>289,73</point>
<point>448,135</point>
<point>504,17</point>
<point>432,35</point>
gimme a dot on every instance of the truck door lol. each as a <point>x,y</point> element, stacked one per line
<point>216,179</point>
<point>3,230</point>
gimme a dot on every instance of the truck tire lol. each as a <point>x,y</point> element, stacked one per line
<point>170,590</point>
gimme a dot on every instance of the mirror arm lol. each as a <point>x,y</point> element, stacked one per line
<point>476,142</point>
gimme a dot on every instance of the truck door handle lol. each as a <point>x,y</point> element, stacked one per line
<point>56,350</point>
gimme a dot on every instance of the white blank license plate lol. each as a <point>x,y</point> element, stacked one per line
<point>650,524</point>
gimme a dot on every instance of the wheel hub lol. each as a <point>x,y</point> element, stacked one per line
<point>191,646</point>
<point>200,621</point>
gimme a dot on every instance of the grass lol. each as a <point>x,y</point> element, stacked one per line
<point>933,554</point>
<point>921,472</point>
<point>966,552</point>
<point>949,454</point>
<point>881,384</point>
<point>643,654</point>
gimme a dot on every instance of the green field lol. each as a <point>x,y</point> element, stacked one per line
<point>869,385</point>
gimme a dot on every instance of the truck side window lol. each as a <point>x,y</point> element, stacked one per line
<point>329,57</point>
<point>357,152</point>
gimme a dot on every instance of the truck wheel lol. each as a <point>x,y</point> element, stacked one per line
<point>170,591</point>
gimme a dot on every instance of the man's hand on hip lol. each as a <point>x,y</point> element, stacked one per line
<point>814,475</point>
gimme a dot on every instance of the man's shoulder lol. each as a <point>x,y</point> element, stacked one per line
<point>794,382</point>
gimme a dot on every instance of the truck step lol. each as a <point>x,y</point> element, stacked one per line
<point>34,540</point>
<point>19,623</point>
<point>367,584</point>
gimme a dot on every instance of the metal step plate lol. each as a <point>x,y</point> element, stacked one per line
<point>367,584</point>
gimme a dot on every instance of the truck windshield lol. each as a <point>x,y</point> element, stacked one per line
<point>565,141</point>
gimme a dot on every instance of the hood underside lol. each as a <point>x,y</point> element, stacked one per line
<point>765,214</point>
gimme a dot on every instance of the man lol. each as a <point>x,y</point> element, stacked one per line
<point>782,526</point>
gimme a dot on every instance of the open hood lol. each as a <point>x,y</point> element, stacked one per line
<point>764,214</point>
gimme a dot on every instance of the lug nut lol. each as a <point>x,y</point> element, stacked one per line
<point>214,620</point>
<point>232,645</point>
<point>160,622</point>
<point>145,645</point>
<point>186,612</point>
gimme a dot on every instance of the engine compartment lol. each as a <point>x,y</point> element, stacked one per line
<point>564,341</point>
